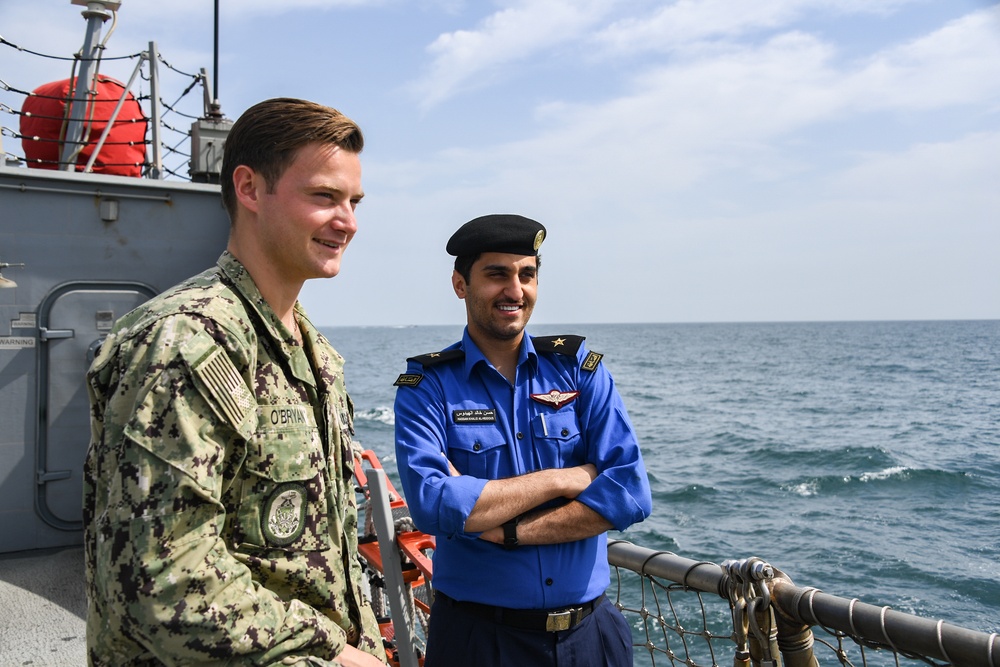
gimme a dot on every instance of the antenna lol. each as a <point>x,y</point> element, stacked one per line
<point>215,74</point>
<point>208,133</point>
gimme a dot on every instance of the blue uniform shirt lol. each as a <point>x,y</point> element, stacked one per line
<point>464,411</point>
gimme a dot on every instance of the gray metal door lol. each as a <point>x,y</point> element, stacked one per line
<point>73,321</point>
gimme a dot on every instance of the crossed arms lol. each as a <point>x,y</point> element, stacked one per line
<point>504,499</point>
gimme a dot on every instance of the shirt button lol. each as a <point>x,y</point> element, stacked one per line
<point>520,436</point>
<point>476,447</point>
<point>548,582</point>
<point>565,432</point>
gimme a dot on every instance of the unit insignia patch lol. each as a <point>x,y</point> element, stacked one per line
<point>284,515</point>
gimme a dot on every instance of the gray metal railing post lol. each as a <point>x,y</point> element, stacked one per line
<point>114,116</point>
<point>156,158</point>
<point>392,568</point>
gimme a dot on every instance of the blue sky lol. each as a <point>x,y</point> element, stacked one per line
<point>693,160</point>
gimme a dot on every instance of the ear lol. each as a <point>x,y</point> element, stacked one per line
<point>458,284</point>
<point>248,186</point>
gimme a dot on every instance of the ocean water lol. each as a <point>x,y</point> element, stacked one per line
<point>860,458</point>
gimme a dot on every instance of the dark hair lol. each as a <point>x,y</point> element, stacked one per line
<point>268,134</point>
<point>463,264</point>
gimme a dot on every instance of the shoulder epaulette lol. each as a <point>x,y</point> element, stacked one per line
<point>427,360</point>
<point>434,358</point>
<point>568,345</point>
<point>590,363</point>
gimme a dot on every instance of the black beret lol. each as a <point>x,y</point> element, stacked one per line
<point>497,233</point>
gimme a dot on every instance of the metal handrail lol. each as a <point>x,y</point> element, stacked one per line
<point>868,625</point>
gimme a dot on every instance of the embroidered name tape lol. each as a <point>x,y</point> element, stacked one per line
<point>474,416</point>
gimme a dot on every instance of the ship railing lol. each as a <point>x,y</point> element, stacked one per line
<point>681,611</point>
<point>762,618</point>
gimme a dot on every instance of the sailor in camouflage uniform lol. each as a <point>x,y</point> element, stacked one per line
<point>219,507</point>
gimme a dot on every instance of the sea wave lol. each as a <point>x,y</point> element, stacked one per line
<point>910,480</point>
<point>380,414</point>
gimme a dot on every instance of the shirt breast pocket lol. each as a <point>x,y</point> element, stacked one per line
<point>283,504</point>
<point>480,451</point>
<point>558,440</point>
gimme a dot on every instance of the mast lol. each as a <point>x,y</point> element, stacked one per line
<point>97,12</point>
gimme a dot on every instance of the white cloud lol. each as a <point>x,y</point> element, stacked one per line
<point>710,186</point>
<point>465,57</point>
<point>680,123</point>
<point>955,176</point>
<point>957,64</point>
<point>690,21</point>
<point>732,111</point>
<point>270,7</point>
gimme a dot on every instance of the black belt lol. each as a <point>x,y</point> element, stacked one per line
<point>554,620</point>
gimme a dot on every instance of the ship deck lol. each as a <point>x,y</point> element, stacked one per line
<point>43,607</point>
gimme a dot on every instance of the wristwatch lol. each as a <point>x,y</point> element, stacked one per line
<point>510,534</point>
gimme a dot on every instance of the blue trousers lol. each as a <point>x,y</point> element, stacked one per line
<point>457,638</point>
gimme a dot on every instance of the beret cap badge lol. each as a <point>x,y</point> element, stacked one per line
<point>505,233</point>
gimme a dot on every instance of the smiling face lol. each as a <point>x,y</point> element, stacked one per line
<point>499,296</point>
<point>302,223</point>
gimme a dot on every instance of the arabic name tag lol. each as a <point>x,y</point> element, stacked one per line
<point>474,416</point>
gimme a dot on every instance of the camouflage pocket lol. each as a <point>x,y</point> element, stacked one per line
<point>284,499</point>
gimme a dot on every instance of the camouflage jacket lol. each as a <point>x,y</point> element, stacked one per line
<point>220,515</point>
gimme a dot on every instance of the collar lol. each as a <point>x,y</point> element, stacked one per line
<point>241,280</point>
<point>474,356</point>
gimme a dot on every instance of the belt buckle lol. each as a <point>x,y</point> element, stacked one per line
<point>559,620</point>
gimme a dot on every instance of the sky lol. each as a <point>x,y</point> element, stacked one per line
<point>692,160</point>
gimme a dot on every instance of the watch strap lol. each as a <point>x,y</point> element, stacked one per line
<point>510,534</point>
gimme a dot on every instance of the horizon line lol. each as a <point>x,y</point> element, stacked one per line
<point>677,322</point>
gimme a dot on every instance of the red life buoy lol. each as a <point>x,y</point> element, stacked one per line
<point>42,123</point>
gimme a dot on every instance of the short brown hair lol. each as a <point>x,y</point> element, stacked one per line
<point>267,135</point>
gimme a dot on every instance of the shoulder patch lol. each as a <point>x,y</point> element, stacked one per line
<point>408,380</point>
<point>590,363</point>
<point>434,358</point>
<point>219,380</point>
<point>568,345</point>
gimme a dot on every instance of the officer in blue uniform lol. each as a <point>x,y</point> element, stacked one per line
<point>517,454</point>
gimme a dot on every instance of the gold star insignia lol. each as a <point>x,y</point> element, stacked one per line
<point>434,354</point>
<point>558,341</point>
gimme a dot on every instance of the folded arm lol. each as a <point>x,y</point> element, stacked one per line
<point>504,499</point>
<point>569,523</point>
